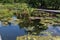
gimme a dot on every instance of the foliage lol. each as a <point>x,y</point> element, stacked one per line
<point>9,9</point>
<point>54,4</point>
<point>5,14</point>
<point>24,12</point>
<point>33,26</point>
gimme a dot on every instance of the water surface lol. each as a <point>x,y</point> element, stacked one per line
<point>10,32</point>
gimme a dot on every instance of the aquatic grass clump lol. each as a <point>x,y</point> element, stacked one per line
<point>8,10</point>
<point>5,13</point>
<point>31,25</point>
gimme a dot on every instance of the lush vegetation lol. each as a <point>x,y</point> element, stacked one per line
<point>30,37</point>
<point>23,10</point>
<point>51,4</point>
<point>8,10</point>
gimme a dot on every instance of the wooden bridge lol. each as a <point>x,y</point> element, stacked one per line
<point>55,11</point>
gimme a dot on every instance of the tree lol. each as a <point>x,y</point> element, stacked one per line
<point>33,3</point>
<point>54,4</point>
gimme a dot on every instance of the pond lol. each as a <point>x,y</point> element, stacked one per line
<point>10,32</point>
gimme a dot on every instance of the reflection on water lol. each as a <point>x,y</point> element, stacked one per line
<point>10,32</point>
<point>0,23</point>
<point>55,31</point>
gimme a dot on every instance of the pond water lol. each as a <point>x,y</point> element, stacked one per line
<point>10,32</point>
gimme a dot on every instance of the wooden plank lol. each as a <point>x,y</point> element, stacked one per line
<point>56,11</point>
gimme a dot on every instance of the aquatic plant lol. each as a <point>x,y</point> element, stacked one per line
<point>31,25</point>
